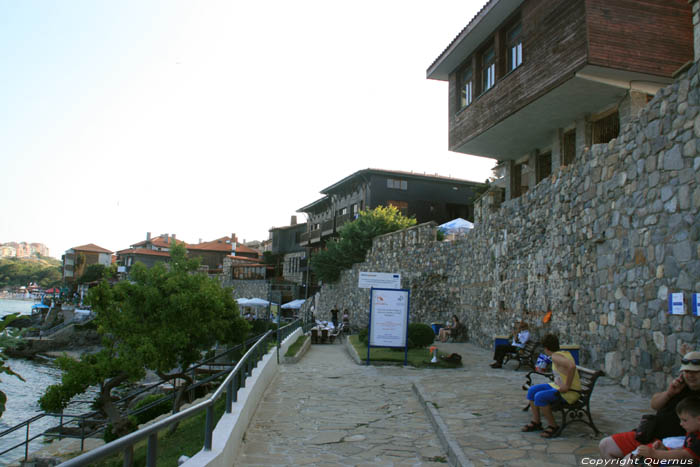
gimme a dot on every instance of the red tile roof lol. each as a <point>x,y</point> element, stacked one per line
<point>215,245</point>
<point>160,242</point>
<point>92,248</point>
<point>143,251</point>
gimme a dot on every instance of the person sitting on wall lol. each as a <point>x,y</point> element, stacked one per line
<point>667,422</point>
<point>447,331</point>
<point>566,386</point>
<point>520,336</point>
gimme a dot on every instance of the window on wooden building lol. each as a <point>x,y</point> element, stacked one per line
<point>396,184</point>
<point>514,43</point>
<point>402,206</point>
<point>606,128</point>
<point>466,86</point>
<point>488,68</point>
<point>568,147</point>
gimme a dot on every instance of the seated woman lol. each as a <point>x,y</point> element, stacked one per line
<point>566,386</point>
<point>520,336</point>
<point>445,332</point>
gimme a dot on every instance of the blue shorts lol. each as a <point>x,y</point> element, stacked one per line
<point>543,394</point>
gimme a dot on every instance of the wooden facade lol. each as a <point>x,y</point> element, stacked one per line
<point>532,83</point>
<point>560,38</point>
<point>649,36</point>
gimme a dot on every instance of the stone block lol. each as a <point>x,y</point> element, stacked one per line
<point>659,340</point>
<point>613,364</point>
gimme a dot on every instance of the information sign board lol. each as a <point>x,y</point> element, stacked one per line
<point>696,304</point>
<point>675,304</point>
<point>388,317</point>
<point>379,280</point>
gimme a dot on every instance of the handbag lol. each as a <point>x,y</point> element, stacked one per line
<point>644,433</point>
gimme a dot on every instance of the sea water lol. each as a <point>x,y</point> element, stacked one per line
<point>23,397</point>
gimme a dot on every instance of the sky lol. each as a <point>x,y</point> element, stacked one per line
<point>206,118</point>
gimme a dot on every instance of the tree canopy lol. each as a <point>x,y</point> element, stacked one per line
<point>3,359</point>
<point>161,319</point>
<point>15,272</point>
<point>355,239</point>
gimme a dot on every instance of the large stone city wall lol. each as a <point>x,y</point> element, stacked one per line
<point>249,288</point>
<point>600,243</point>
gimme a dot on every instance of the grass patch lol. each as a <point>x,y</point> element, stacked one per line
<point>419,358</point>
<point>294,348</point>
<point>188,439</point>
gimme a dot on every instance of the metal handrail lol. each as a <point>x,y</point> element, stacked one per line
<point>234,381</point>
<point>81,419</point>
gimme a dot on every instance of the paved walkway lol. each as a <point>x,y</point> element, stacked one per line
<point>327,410</point>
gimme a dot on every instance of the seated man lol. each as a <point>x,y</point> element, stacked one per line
<point>667,422</point>
<point>520,336</point>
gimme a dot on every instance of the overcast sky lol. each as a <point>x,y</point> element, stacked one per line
<point>204,118</point>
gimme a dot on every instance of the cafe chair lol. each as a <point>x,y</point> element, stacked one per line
<point>314,336</point>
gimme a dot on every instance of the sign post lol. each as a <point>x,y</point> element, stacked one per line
<point>388,319</point>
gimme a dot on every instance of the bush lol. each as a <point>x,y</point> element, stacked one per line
<point>420,335</point>
<point>260,326</point>
<point>149,414</point>
<point>362,335</point>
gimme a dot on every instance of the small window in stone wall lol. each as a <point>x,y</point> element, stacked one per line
<point>568,148</point>
<point>544,166</point>
<point>606,128</point>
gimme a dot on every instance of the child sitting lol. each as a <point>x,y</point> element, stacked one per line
<point>688,411</point>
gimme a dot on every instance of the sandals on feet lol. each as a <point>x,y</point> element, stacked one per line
<point>550,432</point>
<point>532,426</point>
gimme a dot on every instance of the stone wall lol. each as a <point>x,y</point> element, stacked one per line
<point>601,243</point>
<point>249,288</point>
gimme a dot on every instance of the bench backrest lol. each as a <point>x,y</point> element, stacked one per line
<point>588,378</point>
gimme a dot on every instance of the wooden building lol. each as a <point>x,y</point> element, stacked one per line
<point>532,83</point>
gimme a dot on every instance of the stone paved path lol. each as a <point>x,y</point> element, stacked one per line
<point>327,410</point>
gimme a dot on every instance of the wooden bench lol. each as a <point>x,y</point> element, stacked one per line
<point>579,411</point>
<point>527,356</point>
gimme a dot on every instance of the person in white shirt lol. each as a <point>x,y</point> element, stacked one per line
<point>520,336</point>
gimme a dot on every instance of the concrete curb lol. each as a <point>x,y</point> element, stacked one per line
<point>300,354</point>
<point>455,456</point>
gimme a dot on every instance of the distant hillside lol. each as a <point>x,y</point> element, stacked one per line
<point>16,272</point>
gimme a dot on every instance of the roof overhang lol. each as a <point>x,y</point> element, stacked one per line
<point>591,90</point>
<point>472,36</point>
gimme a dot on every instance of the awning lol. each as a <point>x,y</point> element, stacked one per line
<point>294,304</point>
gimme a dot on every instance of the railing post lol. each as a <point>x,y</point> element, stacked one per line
<point>152,450</point>
<point>60,427</point>
<point>229,396</point>
<point>209,428</point>
<point>129,456</point>
<point>26,444</point>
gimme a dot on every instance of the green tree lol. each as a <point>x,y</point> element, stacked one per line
<point>162,319</point>
<point>3,365</point>
<point>15,272</point>
<point>93,273</point>
<point>355,239</point>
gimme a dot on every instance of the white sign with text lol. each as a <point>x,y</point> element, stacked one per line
<point>388,317</point>
<point>379,280</point>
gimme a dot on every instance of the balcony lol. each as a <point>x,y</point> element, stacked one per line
<point>304,238</point>
<point>327,227</point>
<point>342,219</point>
<point>315,236</point>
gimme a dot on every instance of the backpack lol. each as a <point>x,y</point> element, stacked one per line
<point>453,358</point>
